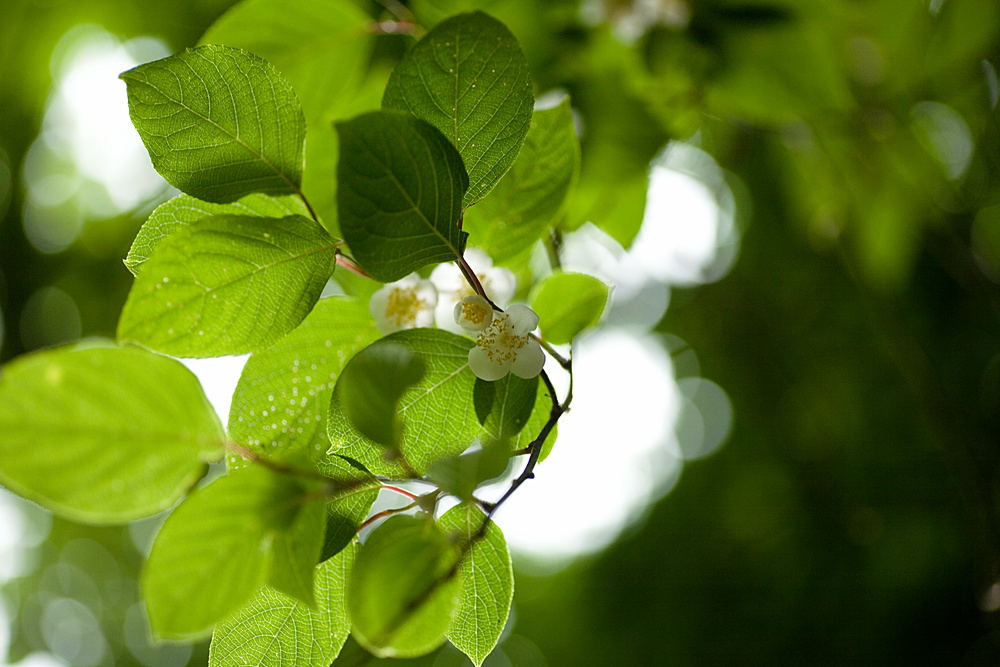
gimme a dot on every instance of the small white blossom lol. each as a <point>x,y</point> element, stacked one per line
<point>498,282</point>
<point>405,304</point>
<point>505,346</point>
<point>473,313</point>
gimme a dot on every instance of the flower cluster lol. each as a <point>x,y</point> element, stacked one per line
<point>503,338</point>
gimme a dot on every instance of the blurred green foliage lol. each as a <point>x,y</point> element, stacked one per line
<point>852,517</point>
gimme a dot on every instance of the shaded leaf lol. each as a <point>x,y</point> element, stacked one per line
<point>461,475</point>
<point>182,210</point>
<point>219,123</point>
<point>400,194</point>
<point>438,411</point>
<point>103,434</point>
<point>347,510</point>
<point>228,285</point>
<point>279,631</point>
<point>487,588</point>
<point>504,406</point>
<point>402,591</point>
<point>469,79</point>
<point>296,552</point>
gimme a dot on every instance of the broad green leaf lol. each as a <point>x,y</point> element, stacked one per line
<point>469,79</point>
<point>401,593</point>
<point>616,207</point>
<point>536,422</point>
<point>372,384</point>
<point>487,584</point>
<point>182,210</point>
<point>228,285</point>
<point>283,395</point>
<point>438,412</point>
<point>296,552</point>
<point>102,434</point>
<point>214,552</point>
<point>568,303</point>
<point>504,406</point>
<point>530,196</point>
<point>276,630</point>
<point>461,475</point>
<point>400,194</point>
<point>348,509</point>
<point>321,46</point>
<point>219,123</point>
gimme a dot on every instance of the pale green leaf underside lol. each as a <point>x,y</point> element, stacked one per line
<point>400,188</point>
<point>182,210</point>
<point>275,630</point>
<point>530,196</point>
<point>102,434</point>
<point>438,414</point>
<point>219,123</point>
<point>568,303</point>
<point>468,78</point>
<point>487,587</point>
<point>283,395</point>
<point>228,285</point>
<point>321,46</point>
<point>213,552</point>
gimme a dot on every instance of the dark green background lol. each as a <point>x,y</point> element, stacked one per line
<point>852,517</point>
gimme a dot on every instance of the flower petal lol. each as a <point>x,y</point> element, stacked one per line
<point>523,320</point>
<point>529,362</point>
<point>483,367</point>
<point>473,313</point>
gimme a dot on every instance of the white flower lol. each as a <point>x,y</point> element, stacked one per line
<point>405,304</point>
<point>505,346</point>
<point>498,282</point>
<point>473,313</point>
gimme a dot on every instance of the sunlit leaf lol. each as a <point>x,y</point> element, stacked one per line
<point>102,434</point>
<point>568,303</point>
<point>182,210</point>
<point>372,384</point>
<point>469,79</point>
<point>400,194</point>
<point>504,406</point>
<point>529,197</point>
<point>213,552</point>
<point>461,475</point>
<point>228,285</point>
<point>276,630</point>
<point>401,594</point>
<point>439,417</point>
<point>283,395</point>
<point>487,584</point>
<point>219,123</point>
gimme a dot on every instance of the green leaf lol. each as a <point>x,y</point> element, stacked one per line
<point>219,123</point>
<point>487,584</point>
<point>182,210</point>
<point>400,194</point>
<point>438,412</point>
<point>283,395</point>
<point>536,422</point>
<point>530,196</point>
<point>228,285</point>
<point>468,78</point>
<point>214,552</point>
<point>321,46</point>
<point>275,630</point>
<point>461,475</point>
<point>348,509</point>
<point>296,552</point>
<point>568,303</point>
<point>504,406</point>
<point>372,384</point>
<point>104,435</point>
<point>401,594</point>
